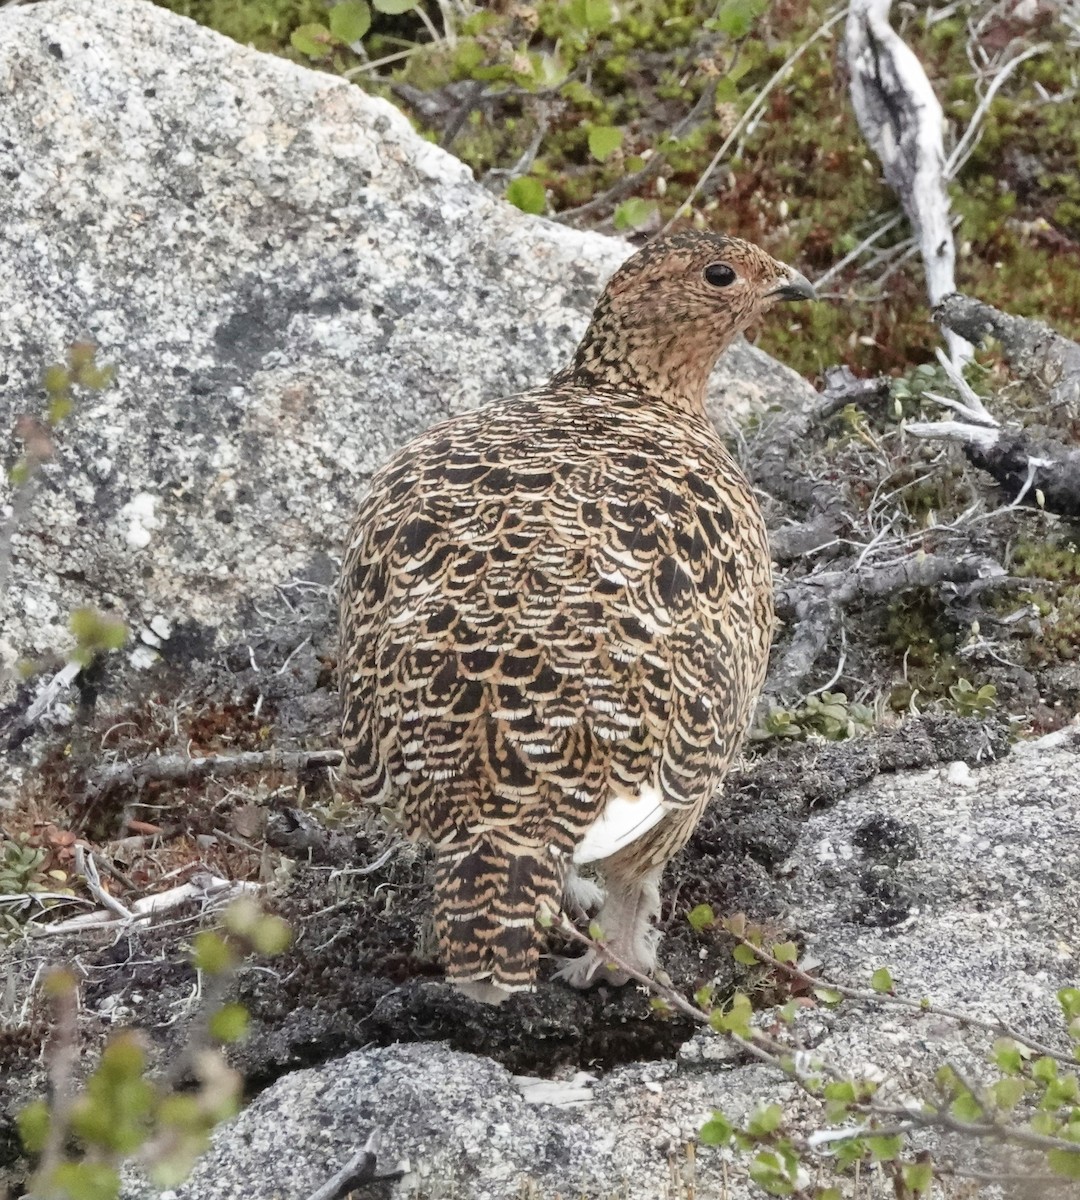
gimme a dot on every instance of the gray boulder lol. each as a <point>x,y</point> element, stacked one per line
<point>290,283</point>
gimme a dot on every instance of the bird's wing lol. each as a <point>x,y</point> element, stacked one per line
<point>532,631</point>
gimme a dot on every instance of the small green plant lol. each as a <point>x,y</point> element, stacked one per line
<point>121,1111</point>
<point>969,701</point>
<point>346,24</point>
<point>95,633</point>
<point>828,715</point>
<point>1031,1102</point>
<point>21,867</point>
<point>60,381</point>
<point>528,194</point>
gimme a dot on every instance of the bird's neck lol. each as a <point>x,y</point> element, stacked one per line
<point>674,370</point>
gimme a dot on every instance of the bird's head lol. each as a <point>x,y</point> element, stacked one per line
<point>672,309</point>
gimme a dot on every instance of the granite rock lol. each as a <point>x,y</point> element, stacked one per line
<point>290,283</point>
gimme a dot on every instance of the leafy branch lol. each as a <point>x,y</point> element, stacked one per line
<point>1032,1106</point>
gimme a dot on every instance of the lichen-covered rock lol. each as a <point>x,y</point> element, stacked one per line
<point>983,868</point>
<point>290,283</point>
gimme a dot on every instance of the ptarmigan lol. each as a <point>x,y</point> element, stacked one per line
<point>555,620</point>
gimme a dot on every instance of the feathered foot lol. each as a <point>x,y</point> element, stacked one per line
<point>626,920</point>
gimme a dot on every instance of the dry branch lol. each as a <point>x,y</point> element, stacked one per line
<point>1031,468</point>
<point>902,120</point>
<point>178,768</point>
<point>814,603</point>
<point>359,1170</point>
<point>1037,354</point>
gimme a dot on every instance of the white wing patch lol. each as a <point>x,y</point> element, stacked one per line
<point>623,821</point>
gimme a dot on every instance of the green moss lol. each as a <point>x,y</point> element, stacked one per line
<point>1043,560</point>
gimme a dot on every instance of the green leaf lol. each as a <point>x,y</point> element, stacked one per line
<point>1044,1069</point>
<point>828,996</point>
<point>82,1181</point>
<point>786,952</point>
<point>884,1149</point>
<point>918,1176</point>
<point>701,917</point>
<point>881,980</point>
<point>1007,1093</point>
<point>1061,1092</point>
<point>229,1023</point>
<point>849,1152</point>
<point>703,997</point>
<point>829,1193</point>
<point>95,633</point>
<point>1069,999</point>
<point>633,213</point>
<point>966,1108</point>
<point>775,1172</point>
<point>1064,1162</point>
<point>589,16</point>
<point>716,1131</point>
<point>313,40</point>
<point>765,1120</point>
<point>123,1059</point>
<point>271,936</point>
<point>211,953</point>
<point>34,1121</point>
<point>1007,1056</point>
<point>527,194</point>
<point>351,20</point>
<point>735,1018</point>
<point>393,8</point>
<point>737,16</point>
<point>56,379</point>
<point>1045,1123</point>
<point>743,954</point>
<point>604,140</point>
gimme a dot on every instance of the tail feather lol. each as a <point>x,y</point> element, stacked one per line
<point>488,893</point>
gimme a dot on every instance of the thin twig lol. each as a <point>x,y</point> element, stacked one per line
<point>757,103</point>
<point>970,139</point>
<point>176,767</point>
<point>865,244</point>
<point>924,1006</point>
<point>87,868</point>
<point>359,1169</point>
<point>629,184</point>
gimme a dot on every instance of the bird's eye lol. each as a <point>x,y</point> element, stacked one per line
<point>719,274</point>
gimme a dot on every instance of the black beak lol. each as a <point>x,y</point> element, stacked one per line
<point>795,287</point>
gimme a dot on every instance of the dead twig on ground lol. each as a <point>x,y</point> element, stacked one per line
<point>178,768</point>
<point>1038,470</point>
<point>814,603</point>
<point>360,1169</point>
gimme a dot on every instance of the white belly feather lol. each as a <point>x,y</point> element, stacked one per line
<point>623,821</point>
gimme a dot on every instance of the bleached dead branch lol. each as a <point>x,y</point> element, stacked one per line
<point>902,120</point>
<point>1030,466</point>
<point>203,887</point>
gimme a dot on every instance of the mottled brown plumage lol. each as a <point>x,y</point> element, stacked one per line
<point>556,616</point>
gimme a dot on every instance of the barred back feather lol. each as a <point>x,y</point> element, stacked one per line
<point>556,616</point>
